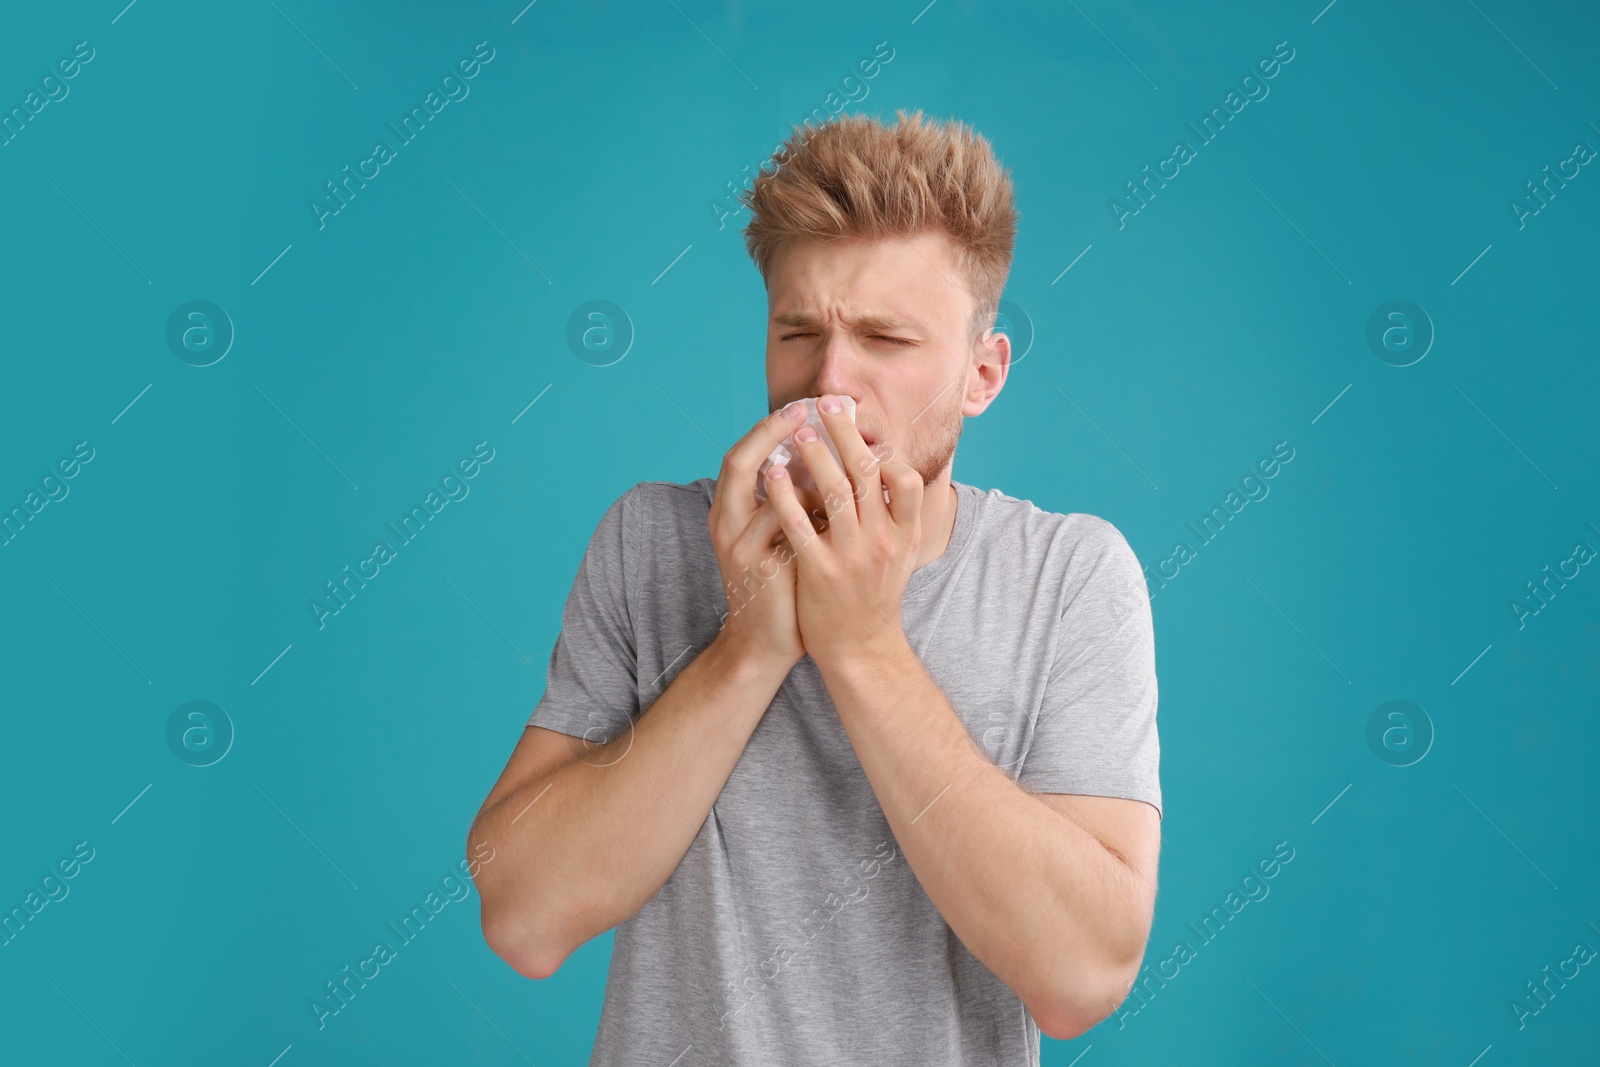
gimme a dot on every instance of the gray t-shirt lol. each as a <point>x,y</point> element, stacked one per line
<point>793,932</point>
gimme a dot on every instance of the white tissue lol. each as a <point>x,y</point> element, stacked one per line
<point>787,454</point>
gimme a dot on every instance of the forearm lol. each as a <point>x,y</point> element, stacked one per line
<point>1034,897</point>
<point>583,848</point>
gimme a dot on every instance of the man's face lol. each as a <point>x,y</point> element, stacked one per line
<point>886,323</point>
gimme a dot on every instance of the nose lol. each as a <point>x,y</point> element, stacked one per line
<point>837,371</point>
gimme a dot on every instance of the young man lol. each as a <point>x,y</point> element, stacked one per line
<point>858,780</point>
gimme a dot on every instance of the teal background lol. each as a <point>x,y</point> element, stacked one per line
<point>589,157</point>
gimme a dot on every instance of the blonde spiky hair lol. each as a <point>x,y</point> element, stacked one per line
<point>855,177</point>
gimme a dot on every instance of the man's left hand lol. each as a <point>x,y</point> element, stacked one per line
<point>853,573</point>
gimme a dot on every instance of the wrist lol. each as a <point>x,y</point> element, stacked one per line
<point>865,657</point>
<point>745,661</point>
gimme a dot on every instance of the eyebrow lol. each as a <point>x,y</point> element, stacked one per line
<point>872,320</point>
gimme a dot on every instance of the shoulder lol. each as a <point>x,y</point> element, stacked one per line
<point>1078,552</point>
<point>669,498</point>
<point>661,511</point>
<point>1079,536</point>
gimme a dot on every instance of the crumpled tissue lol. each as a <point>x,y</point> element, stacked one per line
<point>787,454</point>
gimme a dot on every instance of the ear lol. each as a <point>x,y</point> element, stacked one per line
<point>991,362</point>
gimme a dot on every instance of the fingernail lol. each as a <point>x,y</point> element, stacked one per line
<point>830,404</point>
<point>805,433</point>
<point>795,410</point>
<point>777,471</point>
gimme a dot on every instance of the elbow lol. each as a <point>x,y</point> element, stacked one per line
<point>1065,1017</point>
<point>1060,1029</point>
<point>529,950</point>
<point>532,933</point>
<point>524,954</point>
<point>1073,1009</point>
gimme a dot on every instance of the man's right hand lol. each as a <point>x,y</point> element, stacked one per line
<point>756,561</point>
<point>606,838</point>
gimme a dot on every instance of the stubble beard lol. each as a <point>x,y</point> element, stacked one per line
<point>931,455</point>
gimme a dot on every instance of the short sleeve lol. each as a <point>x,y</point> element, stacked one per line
<point>1096,731</point>
<point>591,688</point>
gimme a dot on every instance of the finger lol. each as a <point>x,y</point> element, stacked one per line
<point>811,501</point>
<point>763,533</point>
<point>791,516</point>
<point>837,493</point>
<point>735,507</point>
<point>760,552</point>
<point>860,465</point>
<point>905,491</point>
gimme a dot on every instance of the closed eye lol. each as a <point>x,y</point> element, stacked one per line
<point>874,337</point>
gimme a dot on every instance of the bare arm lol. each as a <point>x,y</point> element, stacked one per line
<point>1056,913</point>
<point>590,834</point>
<point>582,847</point>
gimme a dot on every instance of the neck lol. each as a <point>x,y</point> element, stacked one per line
<point>938,518</point>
